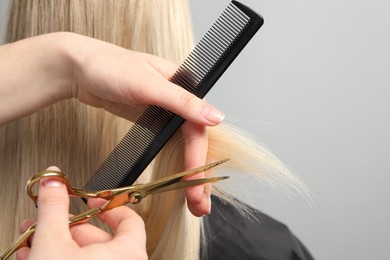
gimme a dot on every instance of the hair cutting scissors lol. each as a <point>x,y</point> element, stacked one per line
<point>115,197</point>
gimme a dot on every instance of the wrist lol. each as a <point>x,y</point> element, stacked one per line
<point>60,68</point>
<point>36,73</point>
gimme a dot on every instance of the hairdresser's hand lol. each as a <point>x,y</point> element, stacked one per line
<point>54,240</point>
<point>42,70</point>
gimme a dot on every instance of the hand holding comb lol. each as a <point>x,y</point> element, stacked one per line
<point>206,63</point>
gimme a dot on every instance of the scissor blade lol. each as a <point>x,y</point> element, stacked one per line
<point>187,183</point>
<point>170,180</point>
<point>204,168</point>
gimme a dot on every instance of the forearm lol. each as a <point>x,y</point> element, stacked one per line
<point>35,73</point>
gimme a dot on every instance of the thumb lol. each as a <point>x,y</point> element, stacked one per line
<point>53,208</point>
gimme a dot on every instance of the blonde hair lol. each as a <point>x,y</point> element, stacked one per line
<point>77,138</point>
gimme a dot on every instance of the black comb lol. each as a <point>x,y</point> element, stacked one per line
<point>199,72</point>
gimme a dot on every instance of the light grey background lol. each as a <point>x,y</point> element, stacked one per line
<point>313,85</point>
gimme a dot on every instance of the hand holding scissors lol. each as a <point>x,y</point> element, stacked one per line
<point>115,197</point>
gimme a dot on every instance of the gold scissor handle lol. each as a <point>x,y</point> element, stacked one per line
<point>73,192</point>
<point>115,197</point>
<point>22,241</point>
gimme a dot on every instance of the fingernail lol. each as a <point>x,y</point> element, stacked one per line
<point>212,114</point>
<point>209,201</point>
<point>52,183</point>
<point>53,168</point>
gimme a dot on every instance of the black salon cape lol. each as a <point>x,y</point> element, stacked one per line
<point>229,235</point>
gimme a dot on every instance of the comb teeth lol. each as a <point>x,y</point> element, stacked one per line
<point>202,68</point>
<point>211,48</point>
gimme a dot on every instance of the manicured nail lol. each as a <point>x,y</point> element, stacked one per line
<point>209,201</point>
<point>52,183</point>
<point>212,114</point>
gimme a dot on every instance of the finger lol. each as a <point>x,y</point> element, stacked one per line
<point>166,95</point>
<point>86,234</point>
<point>96,202</point>
<point>83,234</point>
<point>114,216</point>
<point>53,208</point>
<point>123,220</point>
<point>196,110</point>
<point>176,98</point>
<point>25,225</point>
<point>128,227</point>
<point>195,153</point>
<point>22,253</point>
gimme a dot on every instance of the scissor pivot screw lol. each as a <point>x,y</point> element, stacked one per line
<point>135,198</point>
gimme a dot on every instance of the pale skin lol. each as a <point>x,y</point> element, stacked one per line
<point>53,239</point>
<point>43,70</point>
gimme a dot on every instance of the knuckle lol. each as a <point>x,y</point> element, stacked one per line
<point>145,93</point>
<point>188,100</point>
